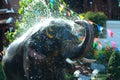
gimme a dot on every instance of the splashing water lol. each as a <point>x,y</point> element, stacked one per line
<point>39,11</point>
<point>76,29</point>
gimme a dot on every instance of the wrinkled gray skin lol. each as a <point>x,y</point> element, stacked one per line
<point>40,53</point>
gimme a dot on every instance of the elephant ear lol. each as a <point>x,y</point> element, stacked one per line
<point>86,44</point>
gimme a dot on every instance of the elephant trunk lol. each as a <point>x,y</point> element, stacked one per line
<point>81,49</point>
<point>86,45</point>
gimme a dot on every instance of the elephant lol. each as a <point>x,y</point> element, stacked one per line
<point>40,53</point>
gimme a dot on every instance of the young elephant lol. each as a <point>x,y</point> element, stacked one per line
<point>40,53</point>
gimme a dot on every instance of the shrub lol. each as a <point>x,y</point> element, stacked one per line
<point>99,18</point>
<point>101,55</point>
<point>114,66</point>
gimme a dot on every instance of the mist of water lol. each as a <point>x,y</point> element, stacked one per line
<point>39,13</point>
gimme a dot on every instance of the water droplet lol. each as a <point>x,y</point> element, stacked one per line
<point>36,58</point>
<point>26,57</point>
<point>31,77</point>
<point>34,54</point>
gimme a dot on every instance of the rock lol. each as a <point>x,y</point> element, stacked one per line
<point>97,66</point>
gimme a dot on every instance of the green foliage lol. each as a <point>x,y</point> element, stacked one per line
<point>101,55</point>
<point>1,72</point>
<point>10,36</point>
<point>105,55</point>
<point>23,4</point>
<point>99,18</point>
<point>110,58</point>
<point>114,66</point>
<point>68,76</point>
<point>30,11</point>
